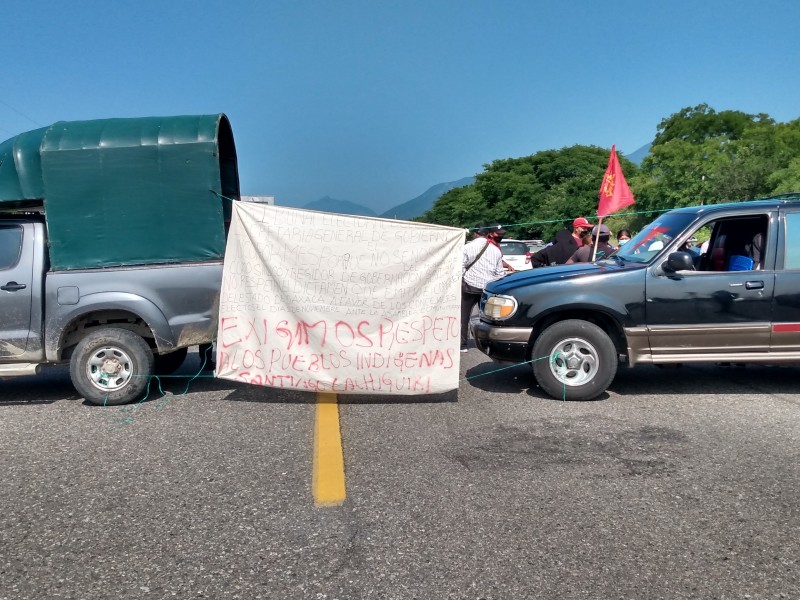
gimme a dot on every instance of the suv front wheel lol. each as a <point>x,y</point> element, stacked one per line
<point>574,360</point>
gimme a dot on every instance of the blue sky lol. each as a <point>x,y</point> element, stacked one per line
<point>375,101</point>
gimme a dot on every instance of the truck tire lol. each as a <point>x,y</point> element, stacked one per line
<point>111,366</point>
<point>576,360</point>
<point>164,364</point>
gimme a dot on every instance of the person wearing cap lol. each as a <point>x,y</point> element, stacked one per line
<point>604,249</point>
<point>564,245</point>
<point>482,262</point>
<point>580,227</point>
<point>480,231</point>
<point>475,232</point>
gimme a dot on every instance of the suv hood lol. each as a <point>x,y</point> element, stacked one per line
<point>559,272</point>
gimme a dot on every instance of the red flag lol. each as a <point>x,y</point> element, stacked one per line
<point>614,191</point>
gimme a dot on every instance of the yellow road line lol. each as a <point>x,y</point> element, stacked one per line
<point>328,480</point>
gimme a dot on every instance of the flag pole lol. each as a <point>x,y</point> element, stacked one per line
<point>596,238</point>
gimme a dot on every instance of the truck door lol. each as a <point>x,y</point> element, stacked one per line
<point>16,283</point>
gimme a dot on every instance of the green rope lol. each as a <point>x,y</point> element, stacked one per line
<point>625,214</point>
<point>163,402</point>
<point>552,358</point>
<point>163,398</point>
<point>199,375</point>
<point>515,365</point>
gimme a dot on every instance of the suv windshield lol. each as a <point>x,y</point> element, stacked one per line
<point>653,238</point>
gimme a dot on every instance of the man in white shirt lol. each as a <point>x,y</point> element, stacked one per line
<point>482,262</point>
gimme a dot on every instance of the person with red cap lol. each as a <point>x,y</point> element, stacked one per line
<point>564,245</point>
<point>591,252</point>
<point>580,227</point>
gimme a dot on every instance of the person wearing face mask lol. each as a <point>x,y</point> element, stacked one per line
<point>482,262</point>
<point>623,237</point>
<point>564,245</point>
<point>589,253</point>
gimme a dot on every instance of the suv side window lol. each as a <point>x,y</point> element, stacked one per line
<point>792,243</point>
<point>10,246</point>
<point>735,244</point>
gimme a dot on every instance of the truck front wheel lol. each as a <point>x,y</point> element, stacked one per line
<point>576,360</point>
<point>111,366</point>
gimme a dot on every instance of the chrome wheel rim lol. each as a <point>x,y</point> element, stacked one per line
<point>573,361</point>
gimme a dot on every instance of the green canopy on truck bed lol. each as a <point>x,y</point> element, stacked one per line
<point>125,191</point>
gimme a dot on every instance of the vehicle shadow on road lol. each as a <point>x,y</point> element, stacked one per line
<point>690,380</point>
<point>496,378</point>
<point>51,385</point>
<point>451,396</point>
<point>510,379</point>
<point>243,392</point>
<point>500,378</point>
<point>707,378</point>
<point>254,393</point>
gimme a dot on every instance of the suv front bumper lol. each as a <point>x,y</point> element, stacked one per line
<point>502,343</point>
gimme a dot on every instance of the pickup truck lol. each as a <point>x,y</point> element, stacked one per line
<point>656,300</point>
<point>112,236</point>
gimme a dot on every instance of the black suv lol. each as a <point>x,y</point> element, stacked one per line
<point>657,300</point>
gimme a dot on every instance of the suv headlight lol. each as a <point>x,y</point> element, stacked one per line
<point>499,307</point>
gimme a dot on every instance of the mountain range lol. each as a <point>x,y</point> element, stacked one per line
<point>406,211</point>
<point>637,156</point>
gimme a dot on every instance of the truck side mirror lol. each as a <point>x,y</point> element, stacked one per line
<point>679,261</point>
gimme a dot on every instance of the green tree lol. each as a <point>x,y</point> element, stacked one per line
<point>534,196</point>
<point>786,180</point>
<point>677,173</point>
<point>698,156</point>
<point>702,156</point>
<point>786,177</point>
<point>459,207</point>
<point>700,123</point>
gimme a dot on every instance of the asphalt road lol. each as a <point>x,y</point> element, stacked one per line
<point>679,483</point>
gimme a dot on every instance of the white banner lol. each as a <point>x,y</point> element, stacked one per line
<point>335,303</point>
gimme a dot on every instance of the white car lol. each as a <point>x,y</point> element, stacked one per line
<point>517,254</point>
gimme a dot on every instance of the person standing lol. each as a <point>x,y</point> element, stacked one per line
<point>480,232</point>
<point>604,248</point>
<point>564,245</point>
<point>580,227</point>
<point>482,262</point>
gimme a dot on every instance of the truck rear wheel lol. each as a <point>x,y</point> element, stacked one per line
<point>577,360</point>
<point>111,366</point>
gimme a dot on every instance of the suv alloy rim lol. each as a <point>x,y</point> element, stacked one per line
<point>573,361</point>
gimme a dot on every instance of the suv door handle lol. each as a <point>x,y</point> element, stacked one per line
<point>754,285</point>
<point>13,286</point>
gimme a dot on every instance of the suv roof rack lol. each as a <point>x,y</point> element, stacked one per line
<point>786,196</point>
